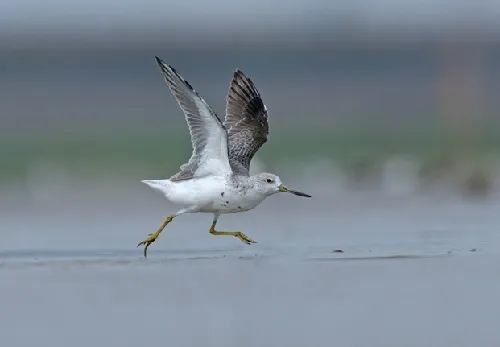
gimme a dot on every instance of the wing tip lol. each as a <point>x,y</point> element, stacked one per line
<point>163,65</point>
<point>238,73</point>
<point>244,82</point>
<point>160,62</point>
<point>169,69</point>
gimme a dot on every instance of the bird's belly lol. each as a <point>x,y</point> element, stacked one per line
<point>196,192</point>
<point>229,203</point>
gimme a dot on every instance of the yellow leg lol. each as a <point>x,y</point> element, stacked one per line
<point>237,234</point>
<point>153,236</point>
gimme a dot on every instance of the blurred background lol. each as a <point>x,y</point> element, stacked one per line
<point>393,96</point>
<point>371,104</point>
<point>397,96</point>
<point>387,112</point>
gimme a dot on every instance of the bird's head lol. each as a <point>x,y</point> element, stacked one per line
<point>269,184</point>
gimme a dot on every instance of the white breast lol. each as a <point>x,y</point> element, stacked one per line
<point>235,200</point>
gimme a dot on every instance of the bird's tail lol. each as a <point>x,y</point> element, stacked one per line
<point>161,185</point>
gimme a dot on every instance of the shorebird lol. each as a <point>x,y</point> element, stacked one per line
<point>217,179</point>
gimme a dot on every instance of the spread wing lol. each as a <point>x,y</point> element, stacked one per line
<point>246,123</point>
<point>208,136</point>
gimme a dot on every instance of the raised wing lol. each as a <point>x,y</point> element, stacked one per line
<point>208,136</point>
<point>246,123</point>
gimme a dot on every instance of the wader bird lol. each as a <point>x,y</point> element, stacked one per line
<point>216,178</point>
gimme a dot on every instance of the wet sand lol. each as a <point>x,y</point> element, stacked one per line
<point>412,272</point>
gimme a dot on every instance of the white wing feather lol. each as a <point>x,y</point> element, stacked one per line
<point>208,135</point>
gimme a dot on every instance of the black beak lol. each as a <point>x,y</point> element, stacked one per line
<point>284,189</point>
<point>299,193</point>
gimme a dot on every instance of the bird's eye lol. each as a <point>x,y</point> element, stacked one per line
<point>269,180</point>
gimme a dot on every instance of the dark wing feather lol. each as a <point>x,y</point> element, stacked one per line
<point>246,123</point>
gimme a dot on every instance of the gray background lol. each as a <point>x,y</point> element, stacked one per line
<point>385,111</point>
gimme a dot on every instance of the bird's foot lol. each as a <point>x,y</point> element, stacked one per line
<point>238,234</point>
<point>148,241</point>
<point>244,238</point>
<point>153,236</point>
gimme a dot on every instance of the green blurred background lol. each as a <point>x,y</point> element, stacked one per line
<point>359,94</point>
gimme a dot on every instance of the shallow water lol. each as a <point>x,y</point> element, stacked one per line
<point>413,271</point>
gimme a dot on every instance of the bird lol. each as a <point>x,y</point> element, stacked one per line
<point>216,179</point>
